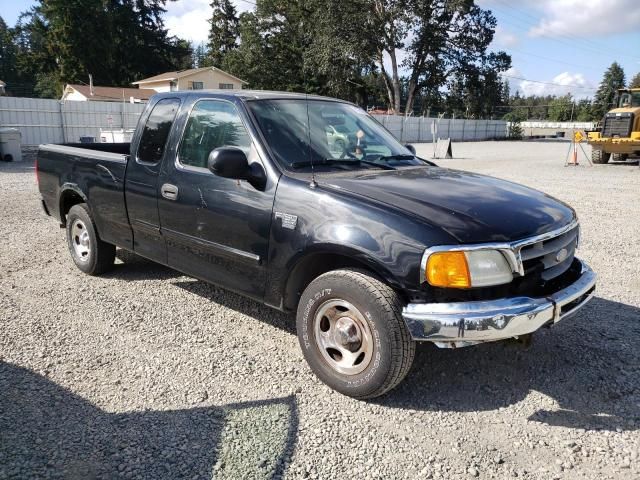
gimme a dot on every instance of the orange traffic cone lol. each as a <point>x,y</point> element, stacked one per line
<point>575,155</point>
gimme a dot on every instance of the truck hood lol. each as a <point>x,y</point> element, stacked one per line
<point>470,207</point>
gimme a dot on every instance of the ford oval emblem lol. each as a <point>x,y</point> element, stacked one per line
<point>562,255</point>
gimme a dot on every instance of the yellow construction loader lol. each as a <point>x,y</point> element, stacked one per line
<point>619,135</point>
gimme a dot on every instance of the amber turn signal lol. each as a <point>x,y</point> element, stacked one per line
<point>448,269</point>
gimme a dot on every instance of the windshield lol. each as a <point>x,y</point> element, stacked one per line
<point>629,99</point>
<point>341,136</point>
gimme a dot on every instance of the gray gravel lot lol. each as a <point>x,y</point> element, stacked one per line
<point>146,373</point>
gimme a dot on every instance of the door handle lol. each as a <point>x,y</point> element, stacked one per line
<point>168,191</point>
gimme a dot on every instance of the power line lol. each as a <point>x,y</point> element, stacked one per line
<point>563,62</point>
<point>548,83</point>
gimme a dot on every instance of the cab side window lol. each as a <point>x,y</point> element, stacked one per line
<point>156,130</point>
<point>211,124</point>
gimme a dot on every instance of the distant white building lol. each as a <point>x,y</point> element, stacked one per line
<point>89,93</point>
<point>192,79</point>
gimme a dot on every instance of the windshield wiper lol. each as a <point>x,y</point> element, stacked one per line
<point>404,156</point>
<point>400,156</point>
<point>339,161</point>
<point>325,161</point>
<point>376,164</point>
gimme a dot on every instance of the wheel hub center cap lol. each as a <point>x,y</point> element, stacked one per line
<point>348,334</point>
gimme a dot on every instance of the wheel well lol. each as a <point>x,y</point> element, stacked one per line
<point>69,199</point>
<point>314,265</point>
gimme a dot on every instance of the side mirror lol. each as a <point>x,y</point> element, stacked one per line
<point>411,148</point>
<point>231,162</point>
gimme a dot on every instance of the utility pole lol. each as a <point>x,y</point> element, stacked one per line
<point>573,104</point>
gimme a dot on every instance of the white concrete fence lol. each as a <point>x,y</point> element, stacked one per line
<point>52,121</point>
<point>419,129</point>
<point>559,125</point>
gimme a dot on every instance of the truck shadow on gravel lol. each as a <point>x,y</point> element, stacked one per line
<point>46,431</point>
<point>588,365</point>
<point>240,304</point>
<point>135,268</point>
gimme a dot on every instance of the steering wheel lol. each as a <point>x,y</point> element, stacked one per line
<point>346,153</point>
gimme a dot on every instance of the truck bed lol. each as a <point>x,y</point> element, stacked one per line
<point>93,171</point>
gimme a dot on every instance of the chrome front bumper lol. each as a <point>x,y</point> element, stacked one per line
<point>461,324</point>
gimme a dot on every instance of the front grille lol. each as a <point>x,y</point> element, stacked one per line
<point>550,258</point>
<point>617,125</point>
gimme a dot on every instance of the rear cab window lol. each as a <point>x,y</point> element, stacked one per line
<point>156,130</point>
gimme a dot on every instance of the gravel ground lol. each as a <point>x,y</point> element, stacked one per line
<point>146,373</point>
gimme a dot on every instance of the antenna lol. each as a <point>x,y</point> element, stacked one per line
<point>313,183</point>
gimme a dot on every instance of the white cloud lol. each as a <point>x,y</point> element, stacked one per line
<point>504,38</point>
<point>561,84</point>
<point>189,19</point>
<point>587,18</point>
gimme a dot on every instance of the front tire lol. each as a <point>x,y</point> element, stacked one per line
<point>352,333</point>
<point>599,156</point>
<point>89,253</point>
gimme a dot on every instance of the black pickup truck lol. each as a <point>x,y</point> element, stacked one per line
<point>307,204</point>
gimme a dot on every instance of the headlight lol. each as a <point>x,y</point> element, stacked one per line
<point>466,269</point>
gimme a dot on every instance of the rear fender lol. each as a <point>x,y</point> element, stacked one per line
<point>70,195</point>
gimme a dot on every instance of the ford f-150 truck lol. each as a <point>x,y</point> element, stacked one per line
<point>373,247</point>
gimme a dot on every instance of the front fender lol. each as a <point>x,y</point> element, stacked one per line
<point>355,231</point>
<point>287,284</point>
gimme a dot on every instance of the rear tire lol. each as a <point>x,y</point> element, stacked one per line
<point>89,253</point>
<point>599,156</point>
<point>352,333</point>
<point>619,157</point>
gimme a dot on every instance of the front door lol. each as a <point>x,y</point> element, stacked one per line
<point>141,189</point>
<point>216,229</point>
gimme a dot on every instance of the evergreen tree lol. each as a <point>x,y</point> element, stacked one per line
<point>560,109</point>
<point>223,35</point>
<point>124,41</point>
<point>36,66</point>
<point>272,45</point>
<point>506,92</point>
<point>635,81</point>
<point>182,54</point>
<point>584,111</point>
<point>8,52</point>
<point>201,56</point>
<point>612,80</point>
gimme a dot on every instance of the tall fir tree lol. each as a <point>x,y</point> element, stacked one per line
<point>635,81</point>
<point>8,53</point>
<point>612,80</point>
<point>223,34</point>
<point>201,56</point>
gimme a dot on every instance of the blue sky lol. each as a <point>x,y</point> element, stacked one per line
<point>564,44</point>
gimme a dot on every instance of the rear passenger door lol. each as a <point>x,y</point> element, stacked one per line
<point>141,188</point>
<point>216,229</point>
